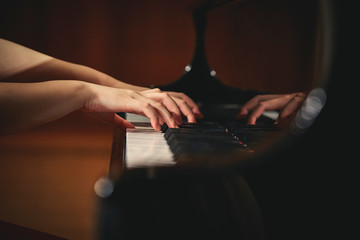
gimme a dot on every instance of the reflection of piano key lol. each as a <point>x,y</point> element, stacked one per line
<point>271,114</point>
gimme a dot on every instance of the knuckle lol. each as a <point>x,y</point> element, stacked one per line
<point>130,92</point>
<point>180,95</point>
<point>289,96</point>
<point>182,102</point>
<point>257,97</point>
<point>261,105</point>
<point>146,105</point>
<point>159,105</point>
<point>300,94</point>
<point>165,95</point>
<point>177,111</point>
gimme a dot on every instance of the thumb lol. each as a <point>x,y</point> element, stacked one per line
<point>242,113</point>
<point>112,119</point>
<point>119,122</point>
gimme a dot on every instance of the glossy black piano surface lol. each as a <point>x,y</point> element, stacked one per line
<point>198,195</point>
<point>302,187</point>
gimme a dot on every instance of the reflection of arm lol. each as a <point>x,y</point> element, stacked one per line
<point>21,64</point>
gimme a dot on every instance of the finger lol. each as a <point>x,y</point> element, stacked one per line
<point>165,114</point>
<point>169,103</point>
<point>162,113</point>
<point>120,100</point>
<point>119,122</point>
<point>194,107</point>
<point>277,103</point>
<point>186,110</point>
<point>159,109</point>
<point>290,109</point>
<point>253,103</point>
<point>151,113</point>
<point>242,113</point>
<point>111,119</point>
<point>145,109</point>
<point>195,110</point>
<point>293,105</point>
<point>256,113</point>
<point>152,90</point>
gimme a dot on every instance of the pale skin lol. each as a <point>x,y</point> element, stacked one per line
<point>36,89</point>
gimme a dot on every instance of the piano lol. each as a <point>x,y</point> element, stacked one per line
<point>145,147</point>
<point>220,178</point>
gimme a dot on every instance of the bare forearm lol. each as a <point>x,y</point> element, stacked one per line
<point>26,105</point>
<point>37,89</point>
<point>21,64</point>
<point>65,70</point>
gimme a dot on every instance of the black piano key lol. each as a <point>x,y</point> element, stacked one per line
<point>182,131</point>
<point>213,138</point>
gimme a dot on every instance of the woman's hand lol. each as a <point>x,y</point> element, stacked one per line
<point>103,102</point>
<point>104,95</point>
<point>183,104</point>
<point>287,104</point>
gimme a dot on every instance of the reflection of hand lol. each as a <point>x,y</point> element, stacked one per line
<point>103,102</point>
<point>183,103</point>
<point>287,104</point>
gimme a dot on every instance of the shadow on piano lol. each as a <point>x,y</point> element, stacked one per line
<point>288,188</point>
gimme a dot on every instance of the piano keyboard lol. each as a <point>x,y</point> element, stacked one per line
<point>145,147</point>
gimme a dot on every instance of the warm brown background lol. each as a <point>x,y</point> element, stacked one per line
<point>47,174</point>
<point>267,45</point>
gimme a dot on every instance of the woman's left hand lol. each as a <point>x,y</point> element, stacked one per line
<point>177,103</point>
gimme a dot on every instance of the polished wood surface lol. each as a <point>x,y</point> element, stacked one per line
<point>47,176</point>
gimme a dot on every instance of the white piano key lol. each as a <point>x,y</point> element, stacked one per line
<point>146,147</point>
<point>271,114</point>
<point>135,118</point>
